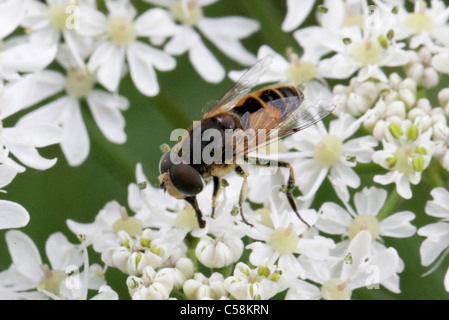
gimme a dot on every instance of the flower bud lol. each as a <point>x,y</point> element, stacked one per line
<point>219,252</point>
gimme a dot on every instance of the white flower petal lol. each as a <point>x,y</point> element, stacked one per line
<point>55,112</point>
<point>15,96</point>
<point>22,145</point>
<point>439,206</point>
<point>12,215</point>
<point>359,248</point>
<point>7,174</point>
<point>333,219</point>
<point>370,200</point>
<point>105,110</point>
<point>108,60</point>
<point>61,253</point>
<point>28,57</point>
<point>46,84</point>
<point>155,22</point>
<point>75,145</point>
<point>11,14</point>
<point>297,12</point>
<point>205,63</point>
<point>24,254</point>
<point>92,22</point>
<point>437,241</point>
<point>362,148</point>
<point>342,174</point>
<point>398,225</point>
<point>142,72</point>
<point>225,34</point>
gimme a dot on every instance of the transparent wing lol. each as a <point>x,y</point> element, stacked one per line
<point>305,116</point>
<point>241,88</point>
<point>270,128</point>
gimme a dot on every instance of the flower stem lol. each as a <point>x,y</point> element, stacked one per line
<point>389,205</point>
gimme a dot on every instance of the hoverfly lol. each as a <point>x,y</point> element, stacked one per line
<point>270,113</point>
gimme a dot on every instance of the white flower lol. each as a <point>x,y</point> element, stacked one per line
<point>364,47</point>
<point>120,31</point>
<point>279,242</point>
<point>202,287</point>
<point>334,219</point>
<point>78,84</point>
<point>27,273</point>
<point>47,22</point>
<point>260,283</point>
<point>297,12</point>
<point>437,234</point>
<point>321,153</point>
<point>151,285</point>
<point>424,26</point>
<point>304,70</point>
<point>76,285</point>
<point>406,152</point>
<point>358,267</point>
<point>225,33</point>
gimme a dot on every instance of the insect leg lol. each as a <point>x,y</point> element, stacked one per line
<point>244,174</point>
<point>199,215</point>
<point>290,183</point>
<point>216,193</point>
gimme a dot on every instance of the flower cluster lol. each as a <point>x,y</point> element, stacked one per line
<point>383,64</point>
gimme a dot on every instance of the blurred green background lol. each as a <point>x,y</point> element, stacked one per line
<point>62,192</point>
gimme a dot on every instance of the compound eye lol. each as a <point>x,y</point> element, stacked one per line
<point>165,163</point>
<point>186,179</point>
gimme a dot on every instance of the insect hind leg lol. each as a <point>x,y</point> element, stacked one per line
<point>290,183</point>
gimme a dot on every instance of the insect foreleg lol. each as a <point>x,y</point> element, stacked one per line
<point>216,193</point>
<point>199,215</point>
<point>290,182</point>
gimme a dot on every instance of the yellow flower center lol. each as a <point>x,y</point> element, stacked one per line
<point>51,280</point>
<point>284,240</point>
<point>186,12</point>
<point>418,22</point>
<point>354,20</point>
<point>121,30</point>
<point>130,225</point>
<point>59,16</point>
<point>367,52</point>
<point>336,289</point>
<point>186,218</point>
<point>328,151</point>
<point>301,71</point>
<point>366,222</point>
<point>79,82</point>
